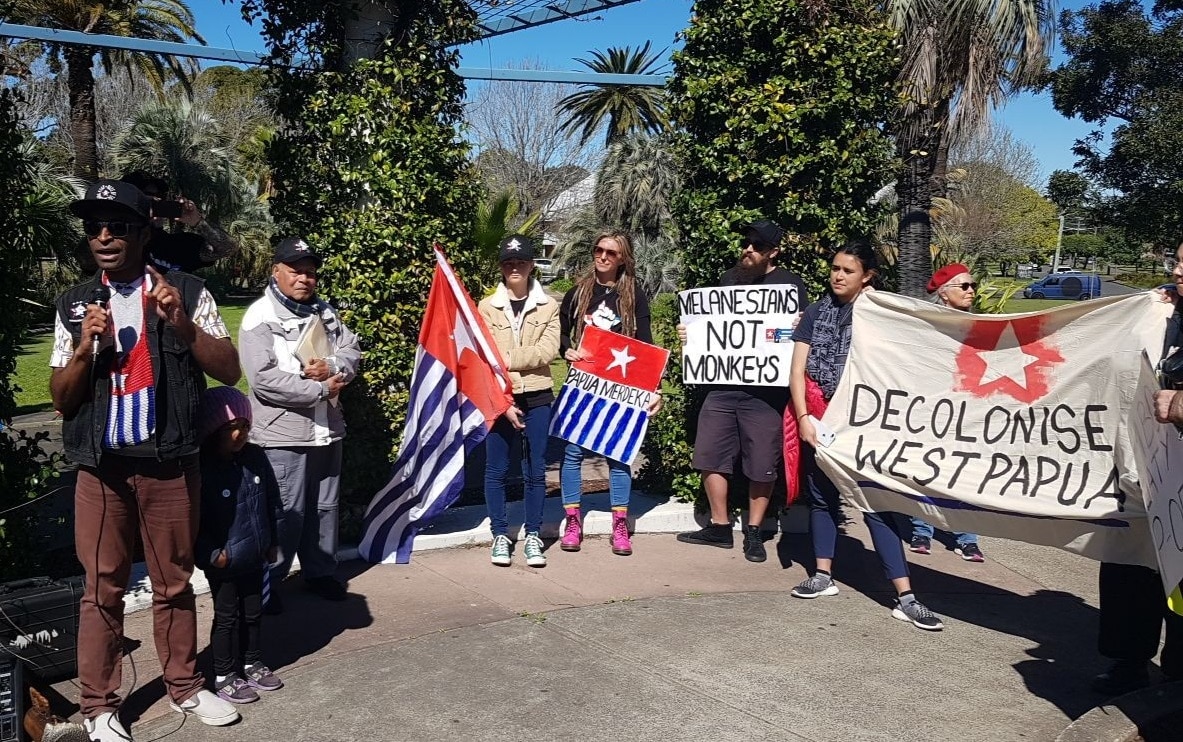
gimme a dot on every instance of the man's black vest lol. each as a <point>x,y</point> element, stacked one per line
<point>178,379</point>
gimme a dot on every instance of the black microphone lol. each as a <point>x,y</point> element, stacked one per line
<point>100,296</point>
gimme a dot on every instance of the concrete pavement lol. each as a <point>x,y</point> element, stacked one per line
<point>674,642</point>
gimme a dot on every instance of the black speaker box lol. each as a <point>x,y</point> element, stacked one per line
<point>12,699</point>
<point>39,625</point>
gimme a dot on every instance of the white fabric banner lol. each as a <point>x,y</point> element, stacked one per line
<point>1158,457</point>
<point>1004,425</point>
<point>739,335</point>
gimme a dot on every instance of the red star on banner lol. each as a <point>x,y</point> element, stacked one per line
<point>1011,357</point>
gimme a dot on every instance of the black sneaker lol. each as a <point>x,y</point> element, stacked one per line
<point>818,586</point>
<point>1124,676</point>
<point>326,587</point>
<point>753,544</point>
<point>920,545</point>
<point>971,553</point>
<point>712,534</point>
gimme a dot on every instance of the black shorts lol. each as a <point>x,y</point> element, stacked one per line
<point>733,424</point>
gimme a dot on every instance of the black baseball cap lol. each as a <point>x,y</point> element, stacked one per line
<point>293,250</point>
<point>517,247</point>
<point>764,234</point>
<point>103,194</point>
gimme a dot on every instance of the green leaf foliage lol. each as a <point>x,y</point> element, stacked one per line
<point>778,107</point>
<point>370,170</point>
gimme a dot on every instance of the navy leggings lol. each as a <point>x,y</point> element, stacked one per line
<point>825,512</point>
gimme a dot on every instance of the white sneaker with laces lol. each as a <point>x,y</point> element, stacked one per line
<point>106,727</point>
<point>208,708</point>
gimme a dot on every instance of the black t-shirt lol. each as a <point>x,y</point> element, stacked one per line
<point>603,308</point>
<point>776,397</point>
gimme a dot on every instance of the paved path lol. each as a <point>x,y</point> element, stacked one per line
<point>675,642</point>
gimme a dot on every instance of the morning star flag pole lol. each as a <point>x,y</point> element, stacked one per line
<point>458,389</point>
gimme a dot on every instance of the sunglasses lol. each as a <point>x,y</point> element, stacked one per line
<point>757,246</point>
<point>605,251</point>
<point>94,228</point>
<point>968,286</point>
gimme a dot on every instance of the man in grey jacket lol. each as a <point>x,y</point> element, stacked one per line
<point>297,411</point>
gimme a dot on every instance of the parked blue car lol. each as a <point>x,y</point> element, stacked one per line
<point>1070,285</point>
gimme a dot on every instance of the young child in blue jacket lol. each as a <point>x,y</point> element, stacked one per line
<point>240,509</point>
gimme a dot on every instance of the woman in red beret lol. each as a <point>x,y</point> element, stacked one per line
<point>951,286</point>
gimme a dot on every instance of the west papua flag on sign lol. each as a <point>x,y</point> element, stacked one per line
<point>1007,425</point>
<point>458,390</point>
<point>602,403</point>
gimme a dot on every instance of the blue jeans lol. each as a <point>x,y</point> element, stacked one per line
<point>497,445</point>
<point>620,478</point>
<point>825,512</point>
<point>922,528</point>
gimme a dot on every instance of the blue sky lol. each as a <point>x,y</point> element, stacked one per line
<point>1030,117</point>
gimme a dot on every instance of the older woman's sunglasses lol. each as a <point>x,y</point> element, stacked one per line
<point>967,286</point>
<point>120,228</point>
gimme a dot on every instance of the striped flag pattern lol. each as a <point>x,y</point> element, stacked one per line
<point>601,406</point>
<point>459,387</point>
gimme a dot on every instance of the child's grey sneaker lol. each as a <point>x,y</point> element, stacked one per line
<point>260,677</point>
<point>816,587</point>
<point>501,555</point>
<point>208,708</point>
<point>236,690</point>
<point>918,614</point>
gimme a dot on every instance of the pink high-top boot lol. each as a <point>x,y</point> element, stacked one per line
<point>572,529</point>
<point>621,544</point>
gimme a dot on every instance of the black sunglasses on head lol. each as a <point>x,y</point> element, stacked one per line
<point>117,228</point>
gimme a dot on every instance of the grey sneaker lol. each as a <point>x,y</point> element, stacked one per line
<point>208,708</point>
<point>501,551</point>
<point>918,614</point>
<point>260,677</point>
<point>533,550</point>
<point>105,728</point>
<point>236,690</point>
<point>815,587</point>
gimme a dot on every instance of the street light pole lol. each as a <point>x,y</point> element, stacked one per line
<point>1059,241</point>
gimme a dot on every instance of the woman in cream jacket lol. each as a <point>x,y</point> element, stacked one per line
<point>524,322</point>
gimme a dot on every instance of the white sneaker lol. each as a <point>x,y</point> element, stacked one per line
<point>208,708</point>
<point>106,728</point>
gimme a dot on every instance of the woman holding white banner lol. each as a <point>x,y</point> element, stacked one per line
<point>606,296</point>
<point>819,357</point>
<point>524,323</point>
<point>951,286</point>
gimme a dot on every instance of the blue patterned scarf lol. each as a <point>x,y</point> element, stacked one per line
<point>831,344</point>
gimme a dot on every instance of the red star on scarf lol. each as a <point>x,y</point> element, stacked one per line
<point>1009,357</point>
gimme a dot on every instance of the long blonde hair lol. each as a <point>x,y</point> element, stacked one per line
<point>626,287</point>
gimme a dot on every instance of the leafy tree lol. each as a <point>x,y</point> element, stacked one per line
<point>497,217</point>
<point>369,168</point>
<point>634,190</point>
<point>778,106</point>
<point>1068,190</point>
<point>157,20</point>
<point>625,109</point>
<point>961,59</point>
<point>1125,62</point>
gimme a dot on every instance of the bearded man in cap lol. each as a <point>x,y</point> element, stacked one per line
<point>295,388</point>
<point>131,351</point>
<point>743,422</point>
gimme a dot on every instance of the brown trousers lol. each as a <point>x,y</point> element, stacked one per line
<point>160,498</point>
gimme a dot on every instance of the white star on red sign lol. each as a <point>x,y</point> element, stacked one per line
<point>621,359</point>
<point>1011,357</point>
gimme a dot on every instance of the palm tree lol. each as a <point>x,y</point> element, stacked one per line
<point>497,217</point>
<point>157,20</point>
<point>634,186</point>
<point>962,58</point>
<point>625,108</point>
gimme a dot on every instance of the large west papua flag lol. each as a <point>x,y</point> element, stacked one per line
<point>602,403</point>
<point>458,389</point>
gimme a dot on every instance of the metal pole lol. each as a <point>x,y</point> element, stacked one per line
<point>1059,241</point>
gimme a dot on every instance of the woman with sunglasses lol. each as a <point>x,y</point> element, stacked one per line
<point>524,323</point>
<point>953,287</point>
<point>822,343</point>
<point>606,296</point>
